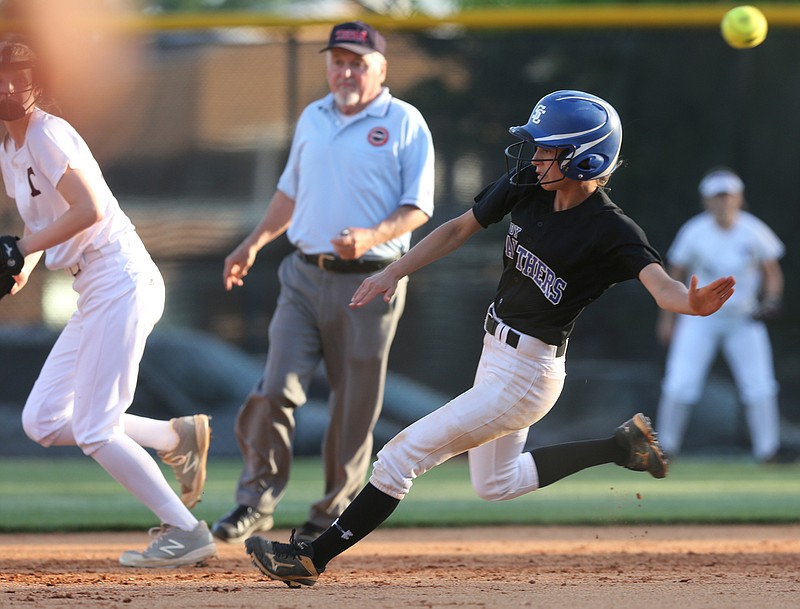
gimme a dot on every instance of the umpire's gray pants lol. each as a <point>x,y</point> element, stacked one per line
<point>313,322</point>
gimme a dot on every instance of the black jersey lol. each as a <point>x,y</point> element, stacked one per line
<point>556,263</point>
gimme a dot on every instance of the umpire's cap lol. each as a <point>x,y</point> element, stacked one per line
<point>358,37</point>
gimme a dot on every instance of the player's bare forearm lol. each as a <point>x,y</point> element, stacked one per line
<point>70,223</point>
<point>85,210</point>
<point>445,239</point>
<point>672,295</point>
<point>31,260</point>
<point>666,318</point>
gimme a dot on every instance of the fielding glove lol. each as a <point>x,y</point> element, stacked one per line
<point>11,259</point>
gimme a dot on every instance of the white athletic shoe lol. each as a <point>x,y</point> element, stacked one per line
<point>188,459</point>
<point>173,547</point>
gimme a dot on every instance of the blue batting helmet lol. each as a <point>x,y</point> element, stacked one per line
<point>585,125</point>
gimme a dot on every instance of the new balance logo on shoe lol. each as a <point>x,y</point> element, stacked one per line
<point>188,459</point>
<point>172,548</point>
<point>190,462</point>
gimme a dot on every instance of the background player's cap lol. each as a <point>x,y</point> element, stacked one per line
<point>721,181</point>
<point>358,37</point>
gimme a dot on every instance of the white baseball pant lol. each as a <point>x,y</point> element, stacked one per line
<point>513,389</point>
<point>90,375</point>
<point>746,347</point>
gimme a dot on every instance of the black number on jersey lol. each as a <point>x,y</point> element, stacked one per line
<point>34,192</point>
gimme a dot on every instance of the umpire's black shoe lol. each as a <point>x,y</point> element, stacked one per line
<point>309,532</point>
<point>638,438</point>
<point>240,523</point>
<point>292,563</point>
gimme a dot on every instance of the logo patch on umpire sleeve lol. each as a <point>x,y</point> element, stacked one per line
<point>378,136</point>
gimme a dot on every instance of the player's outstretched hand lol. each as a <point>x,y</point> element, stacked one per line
<point>381,283</point>
<point>710,298</point>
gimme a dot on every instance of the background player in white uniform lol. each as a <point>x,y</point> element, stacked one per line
<point>724,239</point>
<point>566,244</point>
<point>358,180</point>
<point>88,380</point>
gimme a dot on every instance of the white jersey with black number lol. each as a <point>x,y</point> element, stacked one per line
<point>31,175</point>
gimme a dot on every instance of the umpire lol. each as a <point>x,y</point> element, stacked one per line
<point>359,179</point>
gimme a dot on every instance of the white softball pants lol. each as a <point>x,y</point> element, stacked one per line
<point>746,347</point>
<point>513,389</point>
<point>88,380</point>
<point>89,377</point>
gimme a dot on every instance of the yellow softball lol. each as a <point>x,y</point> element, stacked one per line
<point>744,27</point>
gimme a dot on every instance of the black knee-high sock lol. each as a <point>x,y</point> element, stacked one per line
<point>365,514</point>
<point>561,460</point>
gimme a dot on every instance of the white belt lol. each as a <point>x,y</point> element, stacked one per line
<point>90,255</point>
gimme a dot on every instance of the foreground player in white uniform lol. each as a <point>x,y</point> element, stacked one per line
<point>88,380</point>
<point>724,239</point>
<point>566,244</point>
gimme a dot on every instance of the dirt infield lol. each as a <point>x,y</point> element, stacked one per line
<point>656,567</point>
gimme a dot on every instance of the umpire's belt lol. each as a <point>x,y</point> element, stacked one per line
<point>329,262</point>
<point>512,337</point>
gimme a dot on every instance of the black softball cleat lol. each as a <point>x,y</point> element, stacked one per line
<point>292,563</point>
<point>638,437</point>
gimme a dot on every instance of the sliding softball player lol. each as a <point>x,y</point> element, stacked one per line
<point>566,244</point>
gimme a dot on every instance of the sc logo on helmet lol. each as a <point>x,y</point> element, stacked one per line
<point>536,115</point>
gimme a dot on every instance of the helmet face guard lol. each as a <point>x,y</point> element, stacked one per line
<point>16,57</point>
<point>584,126</point>
<point>13,110</point>
<point>519,163</point>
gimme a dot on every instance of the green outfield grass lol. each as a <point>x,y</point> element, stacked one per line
<point>76,494</point>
